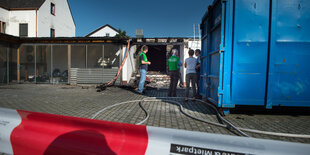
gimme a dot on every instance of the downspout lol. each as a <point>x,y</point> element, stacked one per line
<point>36,22</point>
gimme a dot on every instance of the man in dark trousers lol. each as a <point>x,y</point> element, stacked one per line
<point>190,65</point>
<point>173,63</point>
<point>143,67</point>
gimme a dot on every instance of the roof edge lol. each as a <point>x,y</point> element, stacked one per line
<point>71,13</point>
<point>4,7</point>
<point>20,9</point>
<point>100,29</point>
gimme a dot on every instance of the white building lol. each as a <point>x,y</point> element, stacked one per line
<point>36,18</point>
<point>104,31</point>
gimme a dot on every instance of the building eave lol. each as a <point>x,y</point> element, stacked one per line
<point>100,29</point>
<point>6,8</point>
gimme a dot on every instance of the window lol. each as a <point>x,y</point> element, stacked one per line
<point>107,34</point>
<point>52,8</point>
<point>52,32</point>
<point>2,25</point>
<point>23,30</point>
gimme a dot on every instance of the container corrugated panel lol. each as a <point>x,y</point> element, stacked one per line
<point>203,74</point>
<point>92,75</point>
<point>73,76</point>
<point>256,52</point>
<point>250,52</point>
<point>289,69</point>
<point>89,75</point>
<point>109,74</point>
<point>211,46</point>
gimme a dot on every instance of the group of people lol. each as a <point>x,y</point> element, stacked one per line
<point>191,64</point>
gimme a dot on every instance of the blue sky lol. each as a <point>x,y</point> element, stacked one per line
<point>159,18</point>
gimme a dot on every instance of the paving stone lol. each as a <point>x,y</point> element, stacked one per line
<point>78,102</point>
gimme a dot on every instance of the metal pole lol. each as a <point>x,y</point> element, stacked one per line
<point>121,57</point>
<point>69,63</point>
<point>86,53</point>
<point>194,33</point>
<point>35,63</point>
<point>8,65</point>
<point>102,63</point>
<point>52,64</point>
<point>18,65</point>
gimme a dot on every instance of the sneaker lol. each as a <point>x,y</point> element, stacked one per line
<point>137,92</point>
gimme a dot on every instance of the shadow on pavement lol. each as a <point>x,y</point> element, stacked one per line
<point>261,110</point>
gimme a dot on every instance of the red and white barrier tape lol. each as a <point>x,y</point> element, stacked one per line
<point>23,132</point>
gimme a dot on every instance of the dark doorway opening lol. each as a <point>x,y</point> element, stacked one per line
<point>157,56</point>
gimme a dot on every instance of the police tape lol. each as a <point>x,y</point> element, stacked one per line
<point>23,132</point>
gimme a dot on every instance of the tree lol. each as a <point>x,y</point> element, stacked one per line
<point>121,33</point>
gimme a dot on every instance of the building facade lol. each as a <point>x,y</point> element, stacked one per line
<point>104,31</point>
<point>37,18</point>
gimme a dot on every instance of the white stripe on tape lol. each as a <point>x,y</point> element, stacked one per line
<point>9,119</point>
<point>172,141</point>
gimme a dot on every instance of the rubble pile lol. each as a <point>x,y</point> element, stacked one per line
<point>158,79</point>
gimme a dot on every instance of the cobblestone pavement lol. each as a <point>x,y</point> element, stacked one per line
<point>85,102</point>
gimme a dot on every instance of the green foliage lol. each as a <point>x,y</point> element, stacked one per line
<point>121,33</point>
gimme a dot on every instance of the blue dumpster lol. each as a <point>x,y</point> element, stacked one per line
<point>256,52</point>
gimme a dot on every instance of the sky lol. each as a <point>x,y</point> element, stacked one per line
<point>157,18</point>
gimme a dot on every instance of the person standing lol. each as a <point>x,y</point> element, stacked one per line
<point>179,69</point>
<point>197,53</point>
<point>143,67</point>
<point>173,65</point>
<point>190,65</point>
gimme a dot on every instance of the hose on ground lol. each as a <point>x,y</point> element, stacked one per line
<point>146,114</point>
<point>227,124</point>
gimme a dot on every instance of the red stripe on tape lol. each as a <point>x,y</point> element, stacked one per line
<point>41,133</point>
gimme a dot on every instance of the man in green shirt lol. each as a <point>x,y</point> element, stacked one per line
<point>143,67</point>
<point>173,64</point>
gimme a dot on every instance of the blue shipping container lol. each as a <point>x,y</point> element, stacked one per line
<point>256,52</point>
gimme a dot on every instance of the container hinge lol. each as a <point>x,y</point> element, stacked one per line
<point>220,92</point>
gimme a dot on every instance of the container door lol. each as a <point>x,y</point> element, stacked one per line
<point>250,52</point>
<point>203,71</point>
<point>212,61</point>
<point>289,69</point>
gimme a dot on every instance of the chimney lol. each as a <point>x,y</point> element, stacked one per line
<point>139,33</point>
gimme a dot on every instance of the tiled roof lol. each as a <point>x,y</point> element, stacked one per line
<point>21,4</point>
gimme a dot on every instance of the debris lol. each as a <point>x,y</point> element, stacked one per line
<point>158,80</point>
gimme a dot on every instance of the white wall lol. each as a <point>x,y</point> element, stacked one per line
<point>18,17</point>
<point>191,45</point>
<point>129,66</point>
<point>62,21</point>
<point>103,31</point>
<point>194,45</point>
<point>4,16</point>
